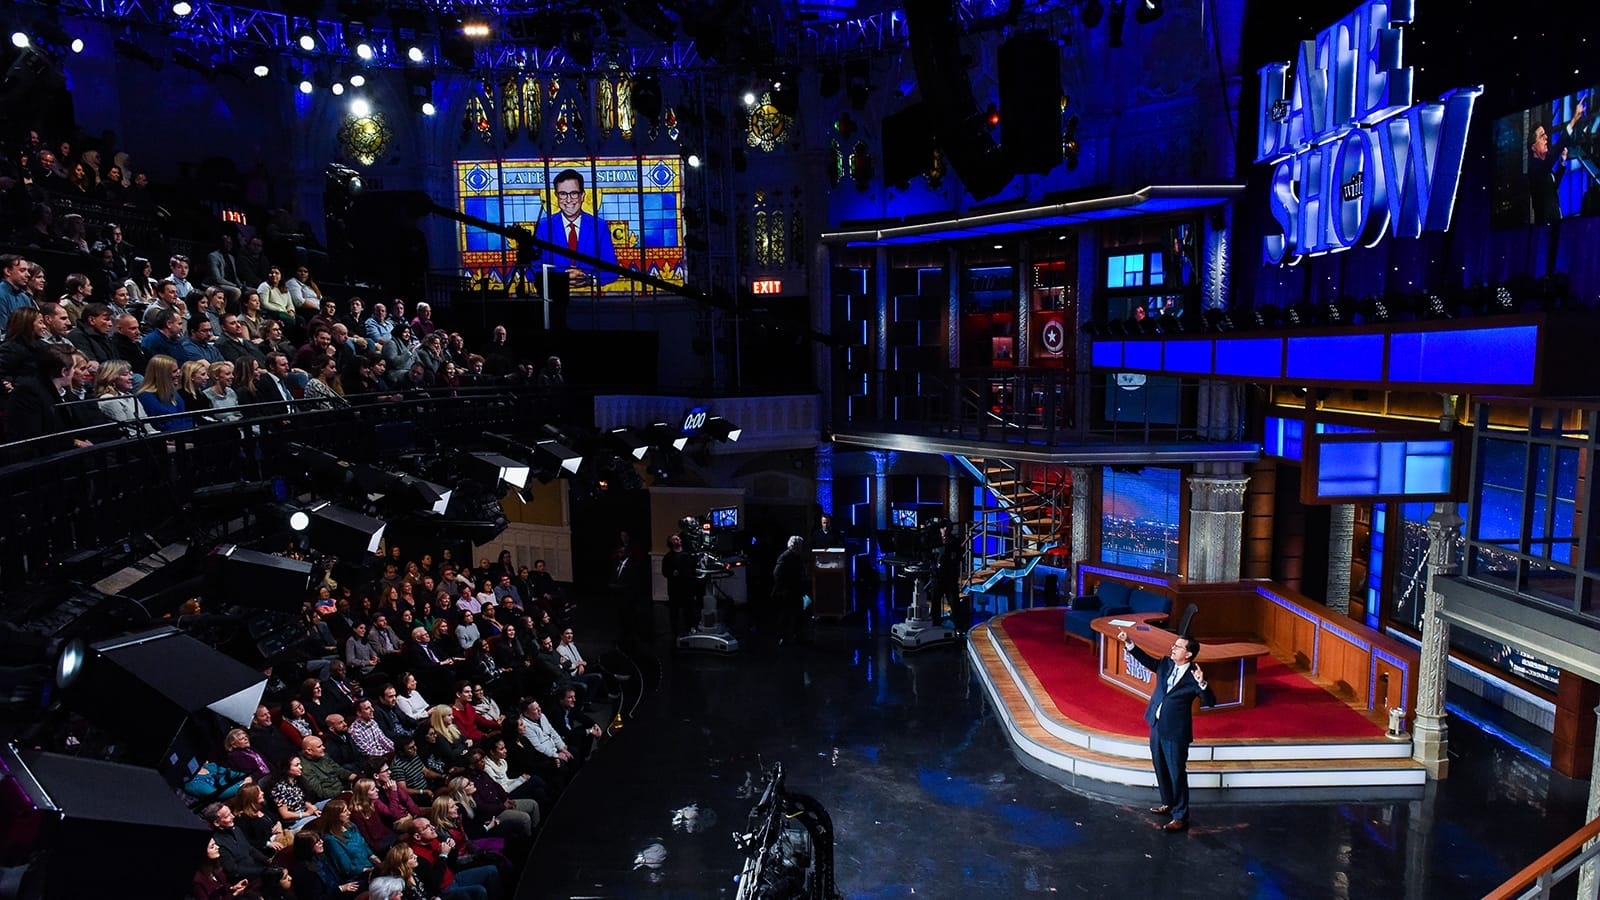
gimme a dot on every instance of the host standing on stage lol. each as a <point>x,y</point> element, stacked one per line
<point>1178,680</point>
<point>579,232</point>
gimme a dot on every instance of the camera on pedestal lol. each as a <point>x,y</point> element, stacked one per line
<point>700,541</point>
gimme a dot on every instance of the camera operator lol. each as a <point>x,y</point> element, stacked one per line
<point>789,578</point>
<point>951,554</point>
<point>685,592</point>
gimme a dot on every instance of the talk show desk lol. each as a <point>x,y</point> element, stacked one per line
<point>1363,666</point>
<point>1229,666</point>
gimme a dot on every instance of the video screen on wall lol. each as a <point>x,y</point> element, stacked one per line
<point>627,209</point>
<point>1547,162</point>
<point>1141,509</point>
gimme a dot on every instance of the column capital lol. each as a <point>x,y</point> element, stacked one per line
<point>1218,493</point>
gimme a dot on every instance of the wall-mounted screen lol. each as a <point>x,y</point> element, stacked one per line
<point>1547,162</point>
<point>625,209</point>
<point>1141,509</point>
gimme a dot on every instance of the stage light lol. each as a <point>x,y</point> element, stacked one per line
<point>693,160</point>
<point>475,30</point>
<point>749,98</point>
<point>350,536</point>
<point>299,520</point>
<point>1434,308</point>
<point>360,108</point>
<point>306,86</point>
<point>1147,11</point>
<point>338,88</point>
<point>428,108</point>
<point>415,54</point>
<point>364,51</point>
<point>629,441</point>
<point>493,468</point>
<point>663,435</point>
<point>262,70</point>
<point>307,41</point>
<point>76,46</point>
<point>721,429</point>
<point>19,40</point>
<point>358,80</point>
<point>182,8</point>
<point>558,456</point>
<point>69,665</point>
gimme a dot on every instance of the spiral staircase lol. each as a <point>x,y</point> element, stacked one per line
<point>1022,514</point>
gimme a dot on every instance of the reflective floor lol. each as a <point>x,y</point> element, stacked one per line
<point>928,800</point>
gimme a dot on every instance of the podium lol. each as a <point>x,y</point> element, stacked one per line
<point>830,583</point>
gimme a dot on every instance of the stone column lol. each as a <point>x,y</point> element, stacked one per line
<point>1430,730</point>
<point>1589,875</point>
<point>1216,527</point>
<point>1341,541</point>
<point>882,318</point>
<point>1081,476</point>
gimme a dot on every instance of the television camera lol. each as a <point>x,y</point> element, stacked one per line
<point>709,540</point>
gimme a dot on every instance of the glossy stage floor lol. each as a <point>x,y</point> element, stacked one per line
<point>929,798</point>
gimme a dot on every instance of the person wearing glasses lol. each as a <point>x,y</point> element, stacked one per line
<point>578,231</point>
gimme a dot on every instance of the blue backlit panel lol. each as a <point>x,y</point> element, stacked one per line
<point>1469,356</point>
<point>1189,357</point>
<point>1283,437</point>
<point>1393,468</point>
<point>1106,354</point>
<point>1143,356</point>
<point>1250,357</point>
<point>1344,357</point>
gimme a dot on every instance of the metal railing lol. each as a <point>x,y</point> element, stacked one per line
<point>1540,877</point>
<point>1017,405</point>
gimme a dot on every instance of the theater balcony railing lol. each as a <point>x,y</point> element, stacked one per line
<point>61,502</point>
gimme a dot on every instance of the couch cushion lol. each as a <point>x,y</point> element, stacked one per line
<point>1112,594</point>
<point>1142,601</point>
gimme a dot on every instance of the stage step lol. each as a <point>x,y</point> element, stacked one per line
<point>1043,733</point>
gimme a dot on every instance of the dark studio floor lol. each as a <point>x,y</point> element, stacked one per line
<point>928,800</point>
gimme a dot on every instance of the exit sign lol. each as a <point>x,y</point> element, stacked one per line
<point>766,286</point>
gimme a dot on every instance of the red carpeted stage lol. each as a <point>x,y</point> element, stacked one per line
<point>1060,713</point>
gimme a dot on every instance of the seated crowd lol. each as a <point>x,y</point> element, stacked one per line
<point>435,724</point>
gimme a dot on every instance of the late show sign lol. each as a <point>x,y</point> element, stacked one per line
<point>1353,158</point>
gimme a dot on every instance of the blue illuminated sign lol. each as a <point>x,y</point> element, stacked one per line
<point>1353,159</point>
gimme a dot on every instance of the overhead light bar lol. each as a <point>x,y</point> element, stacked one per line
<point>563,458</point>
<point>343,533</point>
<point>493,468</point>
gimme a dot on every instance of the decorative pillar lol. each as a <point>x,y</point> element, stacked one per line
<point>1216,527</point>
<point>1420,838</point>
<point>1341,542</point>
<point>821,290</point>
<point>1080,520</point>
<point>1430,730</point>
<point>881,320</point>
<point>1589,875</point>
<point>1023,351</point>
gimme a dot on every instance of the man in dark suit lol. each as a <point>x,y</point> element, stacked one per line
<point>826,537</point>
<point>1170,714</point>
<point>579,232</point>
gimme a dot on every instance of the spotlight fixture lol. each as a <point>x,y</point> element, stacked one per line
<point>338,89</point>
<point>557,457</point>
<point>306,40</point>
<point>262,70</point>
<point>415,54</point>
<point>692,159</point>
<point>350,536</point>
<point>306,86</point>
<point>182,8</point>
<point>721,429</point>
<point>76,46</point>
<point>364,51</point>
<point>358,80</point>
<point>629,441</point>
<point>299,520</point>
<point>1434,308</point>
<point>475,30</point>
<point>19,40</point>
<point>749,98</point>
<point>428,108</point>
<point>1378,311</point>
<point>1147,11</point>
<point>360,108</point>
<point>493,469</point>
<point>663,435</point>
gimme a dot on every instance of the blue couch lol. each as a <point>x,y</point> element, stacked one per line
<point>1111,598</point>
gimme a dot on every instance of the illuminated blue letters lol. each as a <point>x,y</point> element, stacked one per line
<point>1353,159</point>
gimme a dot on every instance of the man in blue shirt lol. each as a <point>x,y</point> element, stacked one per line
<point>198,345</point>
<point>578,231</point>
<point>167,340</point>
<point>13,279</point>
